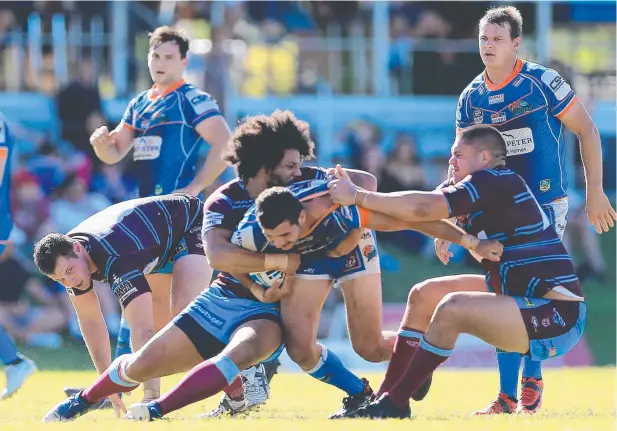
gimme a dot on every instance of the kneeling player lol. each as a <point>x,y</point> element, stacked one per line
<point>530,302</point>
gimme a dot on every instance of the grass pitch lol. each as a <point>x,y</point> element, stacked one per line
<point>574,399</point>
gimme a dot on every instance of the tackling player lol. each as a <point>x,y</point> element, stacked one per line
<point>530,302</point>
<point>120,246</point>
<point>16,366</point>
<point>529,104</point>
<point>166,126</point>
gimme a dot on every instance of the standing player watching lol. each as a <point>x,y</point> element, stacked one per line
<point>529,104</point>
<point>165,126</point>
<point>17,367</point>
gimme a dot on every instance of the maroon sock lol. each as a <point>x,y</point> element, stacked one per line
<point>112,381</point>
<point>235,390</point>
<point>405,347</point>
<point>425,361</point>
<point>203,381</point>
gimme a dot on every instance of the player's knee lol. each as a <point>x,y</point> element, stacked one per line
<point>417,294</point>
<point>303,354</point>
<point>144,364</point>
<point>371,352</point>
<point>450,309</point>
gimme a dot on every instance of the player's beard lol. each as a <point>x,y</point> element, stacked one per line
<point>275,180</point>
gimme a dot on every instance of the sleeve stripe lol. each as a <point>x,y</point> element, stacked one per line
<point>569,106</point>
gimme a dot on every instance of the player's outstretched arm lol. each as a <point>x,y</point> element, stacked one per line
<point>93,328</point>
<point>224,256</point>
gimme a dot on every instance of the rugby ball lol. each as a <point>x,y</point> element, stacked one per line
<point>267,278</point>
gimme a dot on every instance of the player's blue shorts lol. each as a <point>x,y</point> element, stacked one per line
<point>554,327</point>
<point>182,250</point>
<point>214,314</point>
<point>362,261</point>
<point>557,213</point>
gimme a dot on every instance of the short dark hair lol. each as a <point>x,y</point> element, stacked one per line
<point>487,138</point>
<point>49,248</point>
<point>261,142</point>
<point>275,205</point>
<point>505,15</point>
<point>170,34</point>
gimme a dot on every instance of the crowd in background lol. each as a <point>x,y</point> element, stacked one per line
<point>59,182</point>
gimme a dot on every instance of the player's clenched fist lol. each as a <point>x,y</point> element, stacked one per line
<point>102,137</point>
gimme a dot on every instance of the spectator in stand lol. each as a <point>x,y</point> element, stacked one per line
<point>80,110</point>
<point>29,312</point>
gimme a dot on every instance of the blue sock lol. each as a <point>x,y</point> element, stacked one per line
<point>123,342</point>
<point>8,352</point>
<point>509,365</point>
<point>330,370</point>
<point>532,368</point>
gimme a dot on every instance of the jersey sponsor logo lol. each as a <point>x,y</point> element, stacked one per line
<point>212,218</point>
<point>534,322</point>
<point>123,290</point>
<point>546,322</point>
<point>518,141</point>
<point>366,235</point>
<point>545,185</point>
<point>495,98</point>
<point>200,101</point>
<point>520,107</point>
<point>556,83</point>
<point>518,81</point>
<point>557,319</point>
<point>215,320</point>
<point>369,252</point>
<point>498,117</point>
<point>477,116</point>
<point>147,148</point>
<point>149,267</point>
<point>481,90</point>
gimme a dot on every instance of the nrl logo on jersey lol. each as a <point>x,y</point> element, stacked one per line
<point>520,107</point>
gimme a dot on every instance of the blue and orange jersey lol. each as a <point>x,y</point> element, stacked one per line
<point>166,144</point>
<point>498,204</point>
<point>6,151</point>
<point>526,108</point>
<point>324,235</point>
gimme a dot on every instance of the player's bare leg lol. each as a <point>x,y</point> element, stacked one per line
<point>363,306</point>
<point>495,319</point>
<point>252,343</point>
<point>191,275</point>
<point>421,304</point>
<point>170,351</point>
<point>300,312</point>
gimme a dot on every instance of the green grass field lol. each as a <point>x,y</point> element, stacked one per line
<point>575,399</point>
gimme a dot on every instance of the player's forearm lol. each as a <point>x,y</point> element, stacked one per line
<point>97,341</point>
<point>108,154</point>
<point>213,167</point>
<point>234,259</point>
<point>410,206</point>
<point>591,154</point>
<point>442,229</point>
